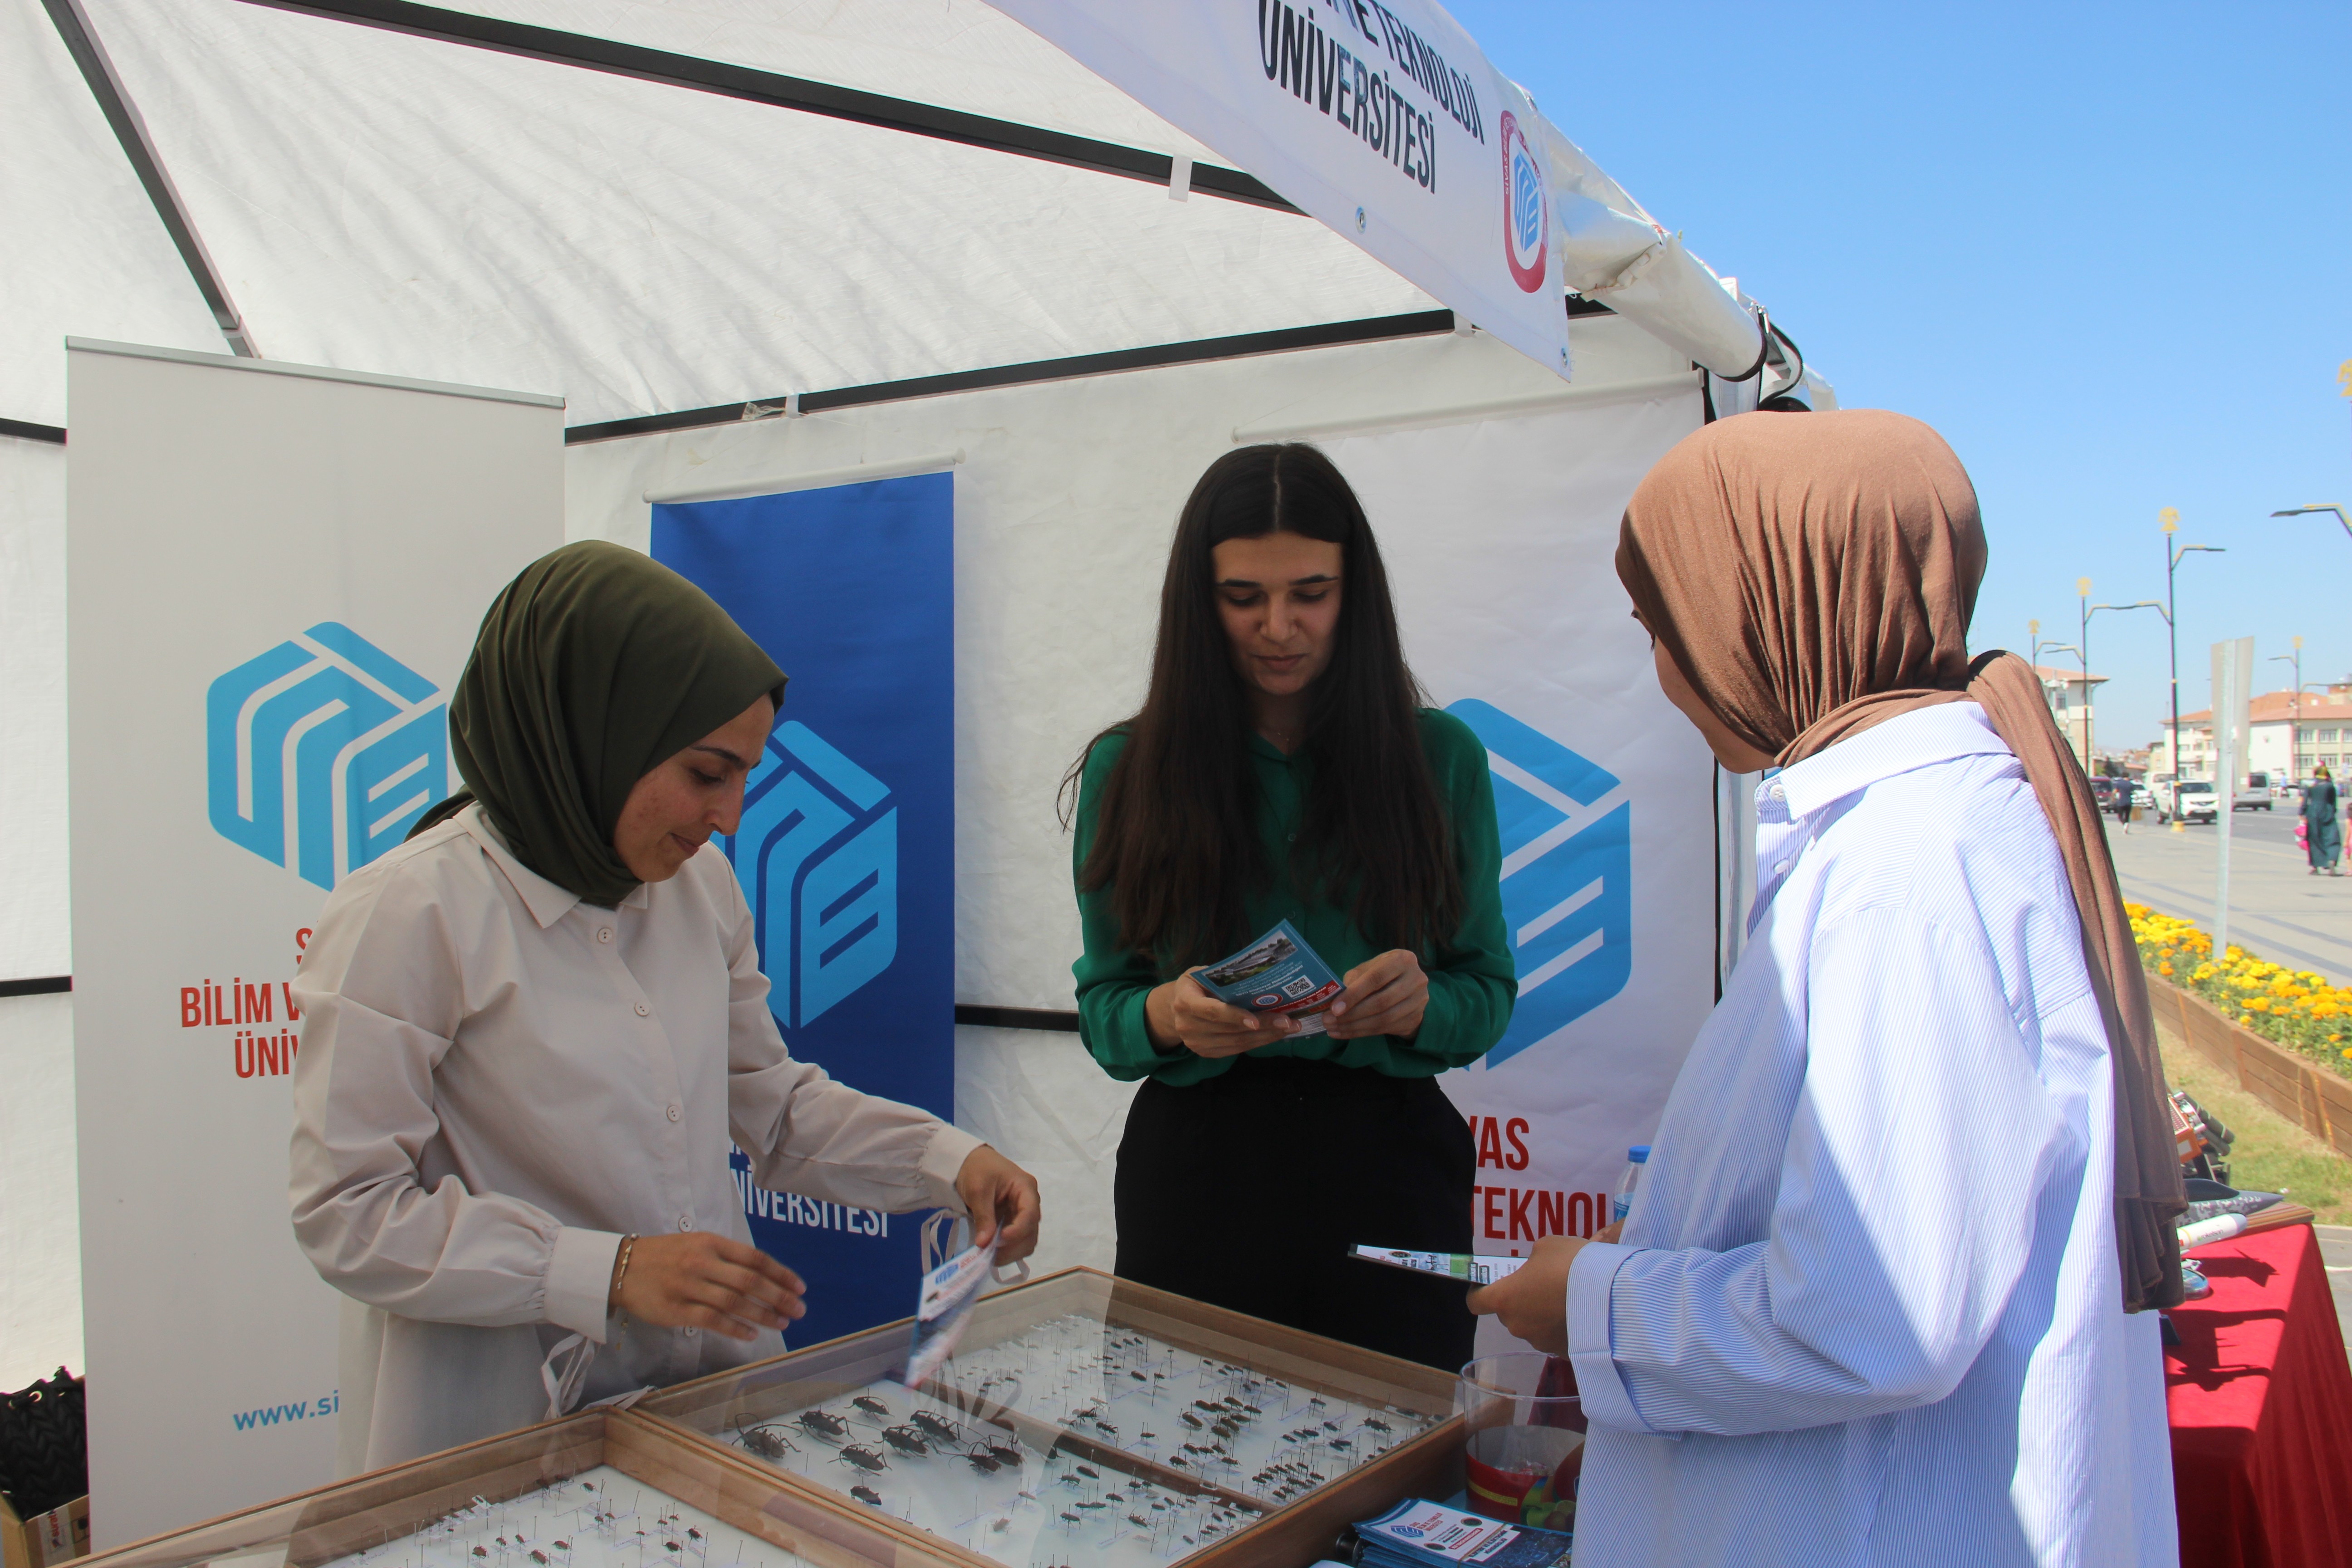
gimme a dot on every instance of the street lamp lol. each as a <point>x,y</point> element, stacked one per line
<point>2092,610</point>
<point>2170,517</point>
<point>2293,713</point>
<point>2342,516</point>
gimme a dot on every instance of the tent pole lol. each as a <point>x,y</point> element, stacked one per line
<point>106,86</point>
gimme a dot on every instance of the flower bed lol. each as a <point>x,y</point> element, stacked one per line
<point>2293,1008</point>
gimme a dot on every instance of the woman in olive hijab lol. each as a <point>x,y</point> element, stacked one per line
<point>532,1034</point>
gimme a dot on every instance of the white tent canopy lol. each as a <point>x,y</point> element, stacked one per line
<point>666,213</point>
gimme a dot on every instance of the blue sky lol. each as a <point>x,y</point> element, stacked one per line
<point>2104,250</point>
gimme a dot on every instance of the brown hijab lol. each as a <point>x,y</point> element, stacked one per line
<point>1812,575</point>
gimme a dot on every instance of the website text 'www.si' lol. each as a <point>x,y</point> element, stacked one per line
<point>271,1414</point>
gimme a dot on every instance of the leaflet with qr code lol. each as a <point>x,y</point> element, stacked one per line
<point>1278,973</point>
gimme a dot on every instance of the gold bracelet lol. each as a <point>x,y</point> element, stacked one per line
<point>620,1270</point>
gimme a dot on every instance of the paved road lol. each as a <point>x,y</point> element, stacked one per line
<point>2336,1247</point>
<point>2277,909</point>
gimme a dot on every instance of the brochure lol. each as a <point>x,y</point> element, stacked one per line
<point>1468,1268</point>
<point>1278,973</point>
<point>1417,1534</point>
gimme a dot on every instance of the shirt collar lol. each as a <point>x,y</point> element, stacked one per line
<point>547,902</point>
<point>1915,739</point>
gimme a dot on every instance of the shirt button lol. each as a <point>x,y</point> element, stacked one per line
<point>686,1222</point>
<point>605,934</point>
<point>644,1011</point>
<point>691,1331</point>
<point>674,1113</point>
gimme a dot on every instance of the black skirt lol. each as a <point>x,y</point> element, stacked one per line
<point>1247,1191</point>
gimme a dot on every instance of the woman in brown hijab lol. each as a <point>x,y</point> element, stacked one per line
<point>1872,1304</point>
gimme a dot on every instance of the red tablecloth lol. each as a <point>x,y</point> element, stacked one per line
<point>2261,1401</point>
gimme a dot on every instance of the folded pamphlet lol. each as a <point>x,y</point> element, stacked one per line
<point>1278,973</point>
<point>1417,1534</point>
<point>1467,1266</point>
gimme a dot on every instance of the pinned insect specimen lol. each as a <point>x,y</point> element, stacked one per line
<point>1090,1475</point>
<point>822,1423</point>
<point>906,1439</point>
<point>871,1405</point>
<point>946,1431</point>
<point>981,1459</point>
<point>1193,1421</point>
<point>864,1458</point>
<point>768,1442</point>
<point>1002,1451</point>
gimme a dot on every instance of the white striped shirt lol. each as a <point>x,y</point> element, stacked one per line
<point>1866,1308</point>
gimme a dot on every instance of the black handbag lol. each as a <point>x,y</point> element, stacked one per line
<point>43,1445</point>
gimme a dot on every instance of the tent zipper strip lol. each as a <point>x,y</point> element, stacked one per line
<point>988,1018</point>
<point>1372,328</point>
<point>965,1012</point>
<point>852,104</point>
<point>123,116</point>
<point>52,985</point>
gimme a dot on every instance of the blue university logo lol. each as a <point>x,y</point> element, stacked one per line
<point>320,753</point>
<point>1568,873</point>
<point>817,852</point>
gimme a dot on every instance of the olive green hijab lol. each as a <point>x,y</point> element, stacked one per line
<point>593,666</point>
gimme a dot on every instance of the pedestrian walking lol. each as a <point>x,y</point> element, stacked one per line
<point>2323,824</point>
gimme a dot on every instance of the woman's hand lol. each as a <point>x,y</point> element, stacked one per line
<point>698,1281</point>
<point>1386,995</point>
<point>1002,1199</point>
<point>1182,1012</point>
<point>1533,1303</point>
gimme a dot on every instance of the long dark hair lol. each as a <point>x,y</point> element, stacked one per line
<point>1176,836</point>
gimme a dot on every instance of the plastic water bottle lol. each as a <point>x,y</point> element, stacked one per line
<point>1635,1158</point>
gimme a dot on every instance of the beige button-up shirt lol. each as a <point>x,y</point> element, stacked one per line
<point>498,1081</point>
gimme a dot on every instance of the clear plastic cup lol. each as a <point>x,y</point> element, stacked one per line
<point>1526,1441</point>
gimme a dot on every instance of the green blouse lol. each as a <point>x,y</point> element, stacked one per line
<point>1470,990</point>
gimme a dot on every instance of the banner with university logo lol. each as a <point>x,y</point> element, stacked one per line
<point>846,849</point>
<point>1602,792</point>
<point>1381,118</point>
<point>274,574</point>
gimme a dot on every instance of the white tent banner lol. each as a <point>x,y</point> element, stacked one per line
<point>275,577</point>
<point>1381,118</point>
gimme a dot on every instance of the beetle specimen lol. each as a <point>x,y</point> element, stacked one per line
<point>946,1431</point>
<point>1002,1451</point>
<point>979,1459</point>
<point>767,1442</point>
<point>906,1439</point>
<point>1090,1475</point>
<point>824,1423</point>
<point>871,1405</point>
<point>867,1495</point>
<point>864,1458</point>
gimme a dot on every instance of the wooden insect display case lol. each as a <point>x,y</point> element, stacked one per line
<point>595,1491</point>
<point>1088,1422</point>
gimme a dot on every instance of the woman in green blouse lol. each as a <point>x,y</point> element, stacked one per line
<point>1283,767</point>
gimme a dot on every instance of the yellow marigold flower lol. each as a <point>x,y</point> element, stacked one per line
<point>2164,969</point>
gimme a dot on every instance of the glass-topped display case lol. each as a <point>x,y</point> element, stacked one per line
<point>595,1491</point>
<point>1087,1420</point>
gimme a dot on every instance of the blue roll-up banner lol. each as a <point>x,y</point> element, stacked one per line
<point>846,849</point>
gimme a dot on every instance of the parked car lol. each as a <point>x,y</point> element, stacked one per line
<point>2192,800</point>
<point>2255,795</point>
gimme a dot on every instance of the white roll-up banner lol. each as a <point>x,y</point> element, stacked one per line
<point>1382,118</point>
<point>1497,537</point>
<point>274,576</point>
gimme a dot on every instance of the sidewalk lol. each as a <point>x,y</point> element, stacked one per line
<point>2277,909</point>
